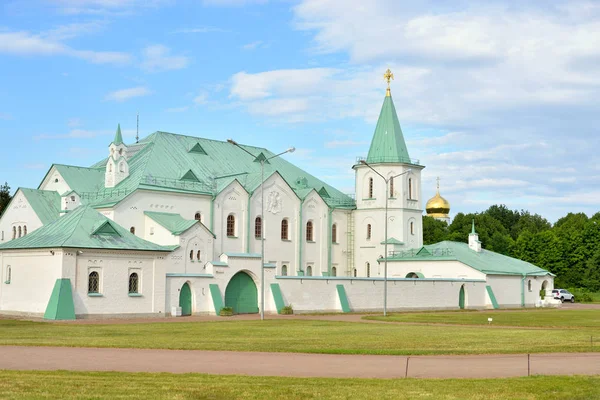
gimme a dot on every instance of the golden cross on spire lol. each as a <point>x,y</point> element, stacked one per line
<point>388,76</point>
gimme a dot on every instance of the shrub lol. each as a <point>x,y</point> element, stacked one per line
<point>287,310</point>
<point>226,312</point>
<point>582,295</point>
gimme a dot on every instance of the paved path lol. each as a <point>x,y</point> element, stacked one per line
<point>294,364</point>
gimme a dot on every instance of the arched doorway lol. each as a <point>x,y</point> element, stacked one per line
<point>185,299</point>
<point>543,290</point>
<point>241,294</point>
<point>462,298</point>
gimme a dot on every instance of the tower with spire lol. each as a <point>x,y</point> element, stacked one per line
<point>117,167</point>
<point>388,160</point>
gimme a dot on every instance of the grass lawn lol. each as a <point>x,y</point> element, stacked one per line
<point>548,318</point>
<point>112,385</point>
<point>301,336</point>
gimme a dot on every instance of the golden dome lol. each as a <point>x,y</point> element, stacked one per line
<point>437,206</point>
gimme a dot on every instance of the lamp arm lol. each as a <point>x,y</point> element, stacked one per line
<point>277,155</point>
<point>373,169</point>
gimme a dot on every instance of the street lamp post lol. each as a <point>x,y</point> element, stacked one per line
<point>385,243</point>
<point>262,219</point>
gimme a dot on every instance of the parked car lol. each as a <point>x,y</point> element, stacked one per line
<point>562,295</point>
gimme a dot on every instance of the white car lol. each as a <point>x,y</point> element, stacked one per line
<point>562,295</point>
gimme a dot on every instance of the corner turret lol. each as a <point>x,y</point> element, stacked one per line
<point>117,167</point>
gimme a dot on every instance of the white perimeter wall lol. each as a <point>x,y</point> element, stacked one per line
<point>507,289</point>
<point>33,274</point>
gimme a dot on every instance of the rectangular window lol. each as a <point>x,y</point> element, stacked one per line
<point>392,187</point>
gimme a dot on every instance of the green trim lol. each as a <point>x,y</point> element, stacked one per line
<point>248,225</point>
<point>329,239</point>
<point>215,293</point>
<point>243,255</point>
<point>61,306</point>
<point>269,265</point>
<point>189,275</point>
<point>135,295</point>
<point>461,297</point>
<point>300,241</point>
<point>93,294</point>
<point>351,278</point>
<point>490,293</point>
<point>418,274</point>
<point>276,291</point>
<point>212,214</point>
<point>343,298</point>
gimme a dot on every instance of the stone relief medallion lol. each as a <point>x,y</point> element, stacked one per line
<point>274,202</point>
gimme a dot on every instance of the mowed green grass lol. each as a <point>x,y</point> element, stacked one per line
<point>301,336</point>
<point>111,385</point>
<point>575,319</point>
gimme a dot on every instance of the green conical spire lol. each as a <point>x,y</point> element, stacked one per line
<point>388,144</point>
<point>473,228</point>
<point>118,137</point>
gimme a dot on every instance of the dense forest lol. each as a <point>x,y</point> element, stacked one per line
<point>570,248</point>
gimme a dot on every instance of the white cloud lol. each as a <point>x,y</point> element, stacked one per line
<point>25,44</point>
<point>177,109</point>
<point>201,29</point>
<point>104,7</point>
<point>73,134</point>
<point>201,98</point>
<point>253,45</point>
<point>158,58</point>
<point>232,3</point>
<point>126,94</point>
<point>74,122</point>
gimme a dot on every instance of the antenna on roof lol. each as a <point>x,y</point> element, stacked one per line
<point>137,129</point>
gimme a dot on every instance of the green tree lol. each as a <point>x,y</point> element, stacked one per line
<point>434,231</point>
<point>5,197</point>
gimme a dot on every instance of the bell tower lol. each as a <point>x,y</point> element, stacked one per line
<point>387,169</point>
<point>117,167</point>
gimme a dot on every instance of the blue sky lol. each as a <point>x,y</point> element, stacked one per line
<point>497,98</point>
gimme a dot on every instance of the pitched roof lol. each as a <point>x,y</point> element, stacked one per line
<point>485,261</point>
<point>84,228</point>
<point>118,137</point>
<point>45,203</point>
<point>174,223</point>
<point>387,145</point>
<point>161,161</point>
<point>392,240</point>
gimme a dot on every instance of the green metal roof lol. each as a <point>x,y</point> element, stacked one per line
<point>388,144</point>
<point>485,261</point>
<point>45,203</point>
<point>392,241</point>
<point>118,137</point>
<point>83,228</point>
<point>163,162</point>
<point>174,223</point>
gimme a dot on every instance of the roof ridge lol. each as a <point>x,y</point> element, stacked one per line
<point>78,221</point>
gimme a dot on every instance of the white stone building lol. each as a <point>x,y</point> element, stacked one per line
<point>173,223</point>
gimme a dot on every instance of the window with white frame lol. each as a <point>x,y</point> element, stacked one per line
<point>309,270</point>
<point>94,282</point>
<point>134,283</point>
<point>284,270</point>
<point>231,225</point>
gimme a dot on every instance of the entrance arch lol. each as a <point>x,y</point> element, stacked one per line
<point>462,297</point>
<point>241,294</point>
<point>543,291</point>
<point>185,299</point>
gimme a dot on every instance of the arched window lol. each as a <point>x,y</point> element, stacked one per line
<point>133,283</point>
<point>412,275</point>
<point>24,230</point>
<point>368,270</point>
<point>122,167</point>
<point>93,282</point>
<point>284,229</point>
<point>230,225</point>
<point>132,230</point>
<point>333,271</point>
<point>198,216</point>
<point>529,285</point>
<point>334,233</point>
<point>309,270</point>
<point>8,274</point>
<point>368,231</point>
<point>284,270</point>
<point>412,228</point>
<point>198,254</point>
<point>354,272</point>
<point>391,187</point>
<point>109,169</point>
<point>20,231</point>
<point>14,232</point>
<point>258,227</point>
<point>309,231</point>
<point>410,188</point>
<point>370,188</point>
<point>191,254</point>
